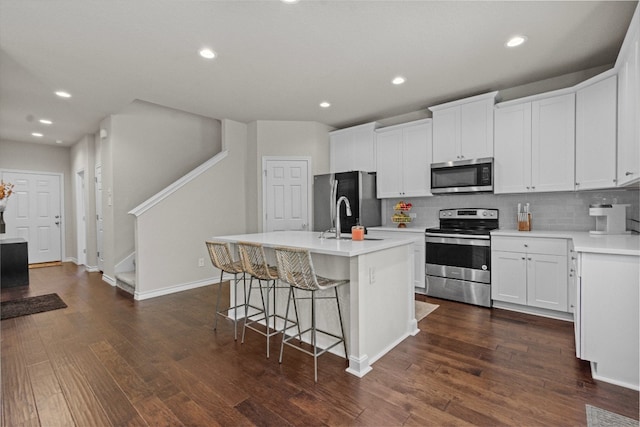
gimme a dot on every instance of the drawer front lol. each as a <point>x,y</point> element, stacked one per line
<point>531,245</point>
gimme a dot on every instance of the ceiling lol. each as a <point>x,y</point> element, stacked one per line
<point>278,61</point>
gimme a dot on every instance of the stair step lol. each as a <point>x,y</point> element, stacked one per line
<point>126,281</point>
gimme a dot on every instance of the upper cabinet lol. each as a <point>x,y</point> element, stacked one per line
<point>353,149</point>
<point>596,125</point>
<point>628,67</point>
<point>403,159</point>
<point>535,145</point>
<point>463,129</point>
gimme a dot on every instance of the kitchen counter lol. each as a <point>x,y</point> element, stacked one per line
<point>583,241</point>
<point>401,230</point>
<point>378,303</point>
<point>312,241</point>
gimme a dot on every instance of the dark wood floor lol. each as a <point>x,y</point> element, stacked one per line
<point>107,360</point>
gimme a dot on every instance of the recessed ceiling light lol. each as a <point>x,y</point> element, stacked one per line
<point>45,121</point>
<point>63,94</point>
<point>325,104</point>
<point>37,134</point>
<point>58,141</point>
<point>515,41</point>
<point>289,1</point>
<point>207,53</point>
<point>398,80</point>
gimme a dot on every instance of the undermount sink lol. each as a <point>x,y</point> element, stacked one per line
<point>349,238</point>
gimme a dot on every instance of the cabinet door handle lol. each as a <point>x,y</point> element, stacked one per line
<point>628,173</point>
<point>577,184</point>
<point>529,258</point>
<point>523,258</point>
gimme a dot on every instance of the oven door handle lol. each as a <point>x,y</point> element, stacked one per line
<point>455,239</point>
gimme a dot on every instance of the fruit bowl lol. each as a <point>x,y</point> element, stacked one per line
<point>402,206</point>
<point>401,219</point>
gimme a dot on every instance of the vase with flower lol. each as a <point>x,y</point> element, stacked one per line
<point>6,189</point>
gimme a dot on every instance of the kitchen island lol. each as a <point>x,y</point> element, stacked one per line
<point>377,305</point>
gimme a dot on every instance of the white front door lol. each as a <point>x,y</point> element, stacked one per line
<point>33,213</point>
<point>286,195</point>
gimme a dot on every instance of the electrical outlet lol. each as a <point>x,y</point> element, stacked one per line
<point>200,262</point>
<point>372,275</point>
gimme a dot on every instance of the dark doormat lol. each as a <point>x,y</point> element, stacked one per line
<point>30,305</point>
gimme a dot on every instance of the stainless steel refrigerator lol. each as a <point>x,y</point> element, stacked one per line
<point>358,187</point>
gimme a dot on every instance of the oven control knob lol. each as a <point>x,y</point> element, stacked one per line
<point>484,213</point>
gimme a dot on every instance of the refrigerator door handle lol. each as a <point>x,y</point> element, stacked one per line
<point>332,203</point>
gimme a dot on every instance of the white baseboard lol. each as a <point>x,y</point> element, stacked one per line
<point>552,314</point>
<point>109,280</point>
<point>176,288</point>
<point>71,259</point>
<point>92,268</point>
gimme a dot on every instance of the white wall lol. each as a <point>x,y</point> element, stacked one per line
<point>82,157</point>
<point>25,156</point>
<point>147,148</point>
<point>171,236</point>
<point>287,138</point>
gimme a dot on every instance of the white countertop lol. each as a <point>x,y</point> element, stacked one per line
<point>311,241</point>
<point>401,230</point>
<point>583,241</point>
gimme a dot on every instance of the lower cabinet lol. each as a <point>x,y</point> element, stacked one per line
<point>607,321</point>
<point>418,251</point>
<point>530,272</point>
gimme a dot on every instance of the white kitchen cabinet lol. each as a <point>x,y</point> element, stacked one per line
<point>628,67</point>
<point>596,128</point>
<point>353,149</point>
<point>512,149</point>
<point>608,318</point>
<point>403,159</point>
<point>463,129</point>
<point>534,145</point>
<point>530,271</point>
<point>419,250</point>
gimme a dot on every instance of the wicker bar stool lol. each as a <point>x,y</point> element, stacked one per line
<point>255,264</point>
<point>296,268</point>
<point>222,258</point>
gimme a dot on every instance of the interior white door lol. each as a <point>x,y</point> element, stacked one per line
<point>286,194</point>
<point>33,213</point>
<point>99,227</point>
<point>81,224</point>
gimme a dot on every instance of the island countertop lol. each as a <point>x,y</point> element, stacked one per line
<point>311,240</point>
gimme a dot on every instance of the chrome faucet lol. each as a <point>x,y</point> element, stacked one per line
<point>348,206</point>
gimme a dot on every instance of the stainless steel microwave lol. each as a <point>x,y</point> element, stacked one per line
<point>462,176</point>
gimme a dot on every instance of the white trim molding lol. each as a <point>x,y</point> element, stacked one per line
<point>172,188</point>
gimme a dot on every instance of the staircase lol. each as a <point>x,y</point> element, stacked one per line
<point>126,274</point>
<point>126,281</point>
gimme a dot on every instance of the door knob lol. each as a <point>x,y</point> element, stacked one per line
<point>57,222</point>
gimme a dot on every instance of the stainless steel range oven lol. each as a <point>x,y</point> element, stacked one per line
<point>458,255</point>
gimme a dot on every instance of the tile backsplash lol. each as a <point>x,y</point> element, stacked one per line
<point>549,211</point>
